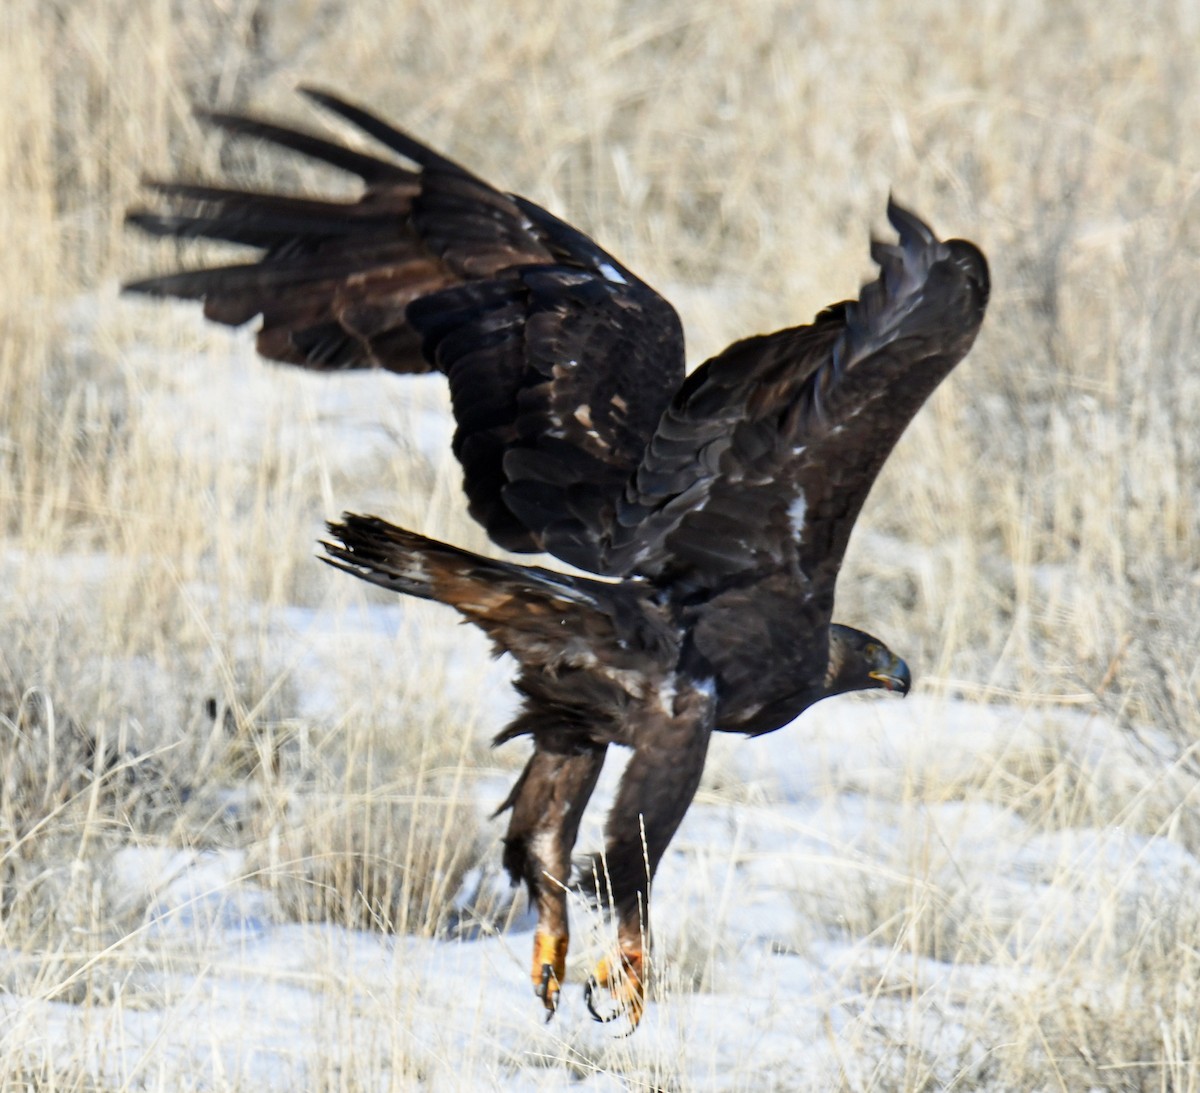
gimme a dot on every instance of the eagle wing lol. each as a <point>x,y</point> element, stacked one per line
<point>560,361</point>
<point>766,454</point>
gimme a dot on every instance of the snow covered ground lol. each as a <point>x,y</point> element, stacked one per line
<point>832,913</point>
<point>885,895</point>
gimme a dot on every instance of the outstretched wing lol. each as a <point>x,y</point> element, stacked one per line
<point>767,453</point>
<point>560,361</point>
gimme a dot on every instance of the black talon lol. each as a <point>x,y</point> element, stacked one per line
<point>603,1018</point>
<point>606,1018</point>
<point>544,992</point>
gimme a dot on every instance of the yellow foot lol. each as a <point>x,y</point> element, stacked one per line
<point>626,985</point>
<point>549,968</point>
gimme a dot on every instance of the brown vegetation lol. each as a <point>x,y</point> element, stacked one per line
<point>1034,542</point>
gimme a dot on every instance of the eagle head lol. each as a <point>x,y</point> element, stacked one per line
<point>860,662</point>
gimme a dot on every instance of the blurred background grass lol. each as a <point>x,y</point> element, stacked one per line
<point>1031,525</point>
<point>1034,539</point>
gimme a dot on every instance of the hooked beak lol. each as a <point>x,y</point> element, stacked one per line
<point>895,677</point>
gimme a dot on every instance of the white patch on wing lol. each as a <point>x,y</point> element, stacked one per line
<point>797,511</point>
<point>609,272</point>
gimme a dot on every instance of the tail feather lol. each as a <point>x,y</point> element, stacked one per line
<point>500,597</point>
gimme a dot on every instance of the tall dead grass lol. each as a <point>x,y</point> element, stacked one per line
<point>1034,538</point>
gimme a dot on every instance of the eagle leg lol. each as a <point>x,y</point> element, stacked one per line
<point>547,803</point>
<point>659,783</point>
<point>549,967</point>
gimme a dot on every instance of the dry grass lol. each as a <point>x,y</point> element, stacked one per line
<point>1034,538</point>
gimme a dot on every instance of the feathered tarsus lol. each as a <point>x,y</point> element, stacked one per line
<point>718,506</point>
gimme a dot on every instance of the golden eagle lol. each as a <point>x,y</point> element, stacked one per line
<point>714,509</point>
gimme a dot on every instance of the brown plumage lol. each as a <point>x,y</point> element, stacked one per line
<point>718,506</point>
